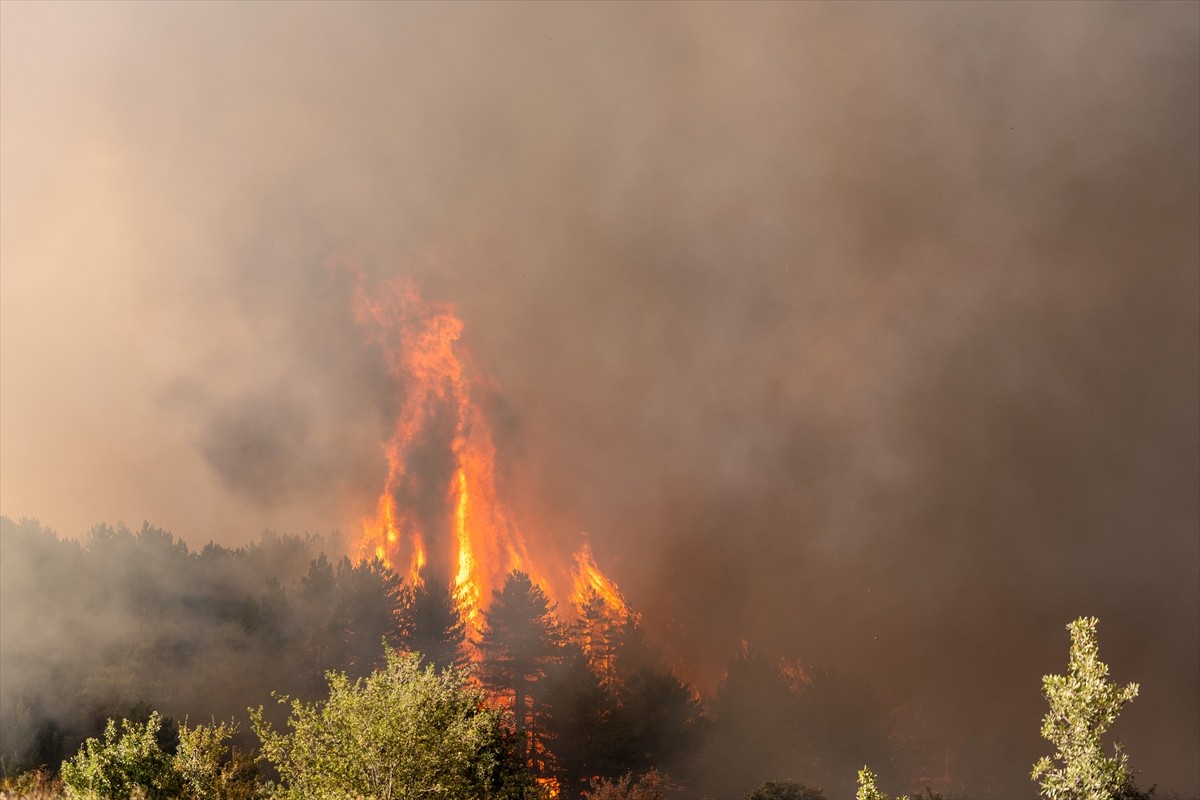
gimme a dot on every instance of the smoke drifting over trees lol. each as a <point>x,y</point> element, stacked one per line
<point>867,334</point>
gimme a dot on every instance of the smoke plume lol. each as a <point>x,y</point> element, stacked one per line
<point>866,333</point>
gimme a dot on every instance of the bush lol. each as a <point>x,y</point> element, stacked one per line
<point>131,763</point>
<point>204,768</point>
<point>651,786</point>
<point>124,763</point>
<point>402,732</point>
<point>785,790</point>
<point>37,784</point>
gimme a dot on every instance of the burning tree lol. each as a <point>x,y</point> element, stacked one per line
<point>522,639</point>
<point>440,513</point>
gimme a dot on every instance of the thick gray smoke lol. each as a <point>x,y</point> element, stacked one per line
<point>867,333</point>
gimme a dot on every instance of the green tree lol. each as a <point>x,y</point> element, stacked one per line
<point>402,732</point>
<point>133,762</point>
<point>1083,705</point>
<point>209,769</point>
<point>867,790</point>
<point>124,762</point>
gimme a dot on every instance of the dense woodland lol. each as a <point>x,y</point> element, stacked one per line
<point>123,622</point>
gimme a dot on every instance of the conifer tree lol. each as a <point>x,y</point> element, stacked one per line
<point>522,638</point>
<point>434,625</point>
<point>598,629</point>
<point>368,603</point>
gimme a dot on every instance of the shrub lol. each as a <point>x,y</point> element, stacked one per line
<point>785,790</point>
<point>123,764</point>
<point>131,763</point>
<point>650,786</point>
<point>402,732</point>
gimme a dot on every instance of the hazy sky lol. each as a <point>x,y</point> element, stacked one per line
<point>868,333</point>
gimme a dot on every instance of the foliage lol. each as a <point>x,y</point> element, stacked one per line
<point>346,612</point>
<point>433,625</point>
<point>17,734</point>
<point>123,762</point>
<point>650,786</point>
<point>209,769</point>
<point>598,628</point>
<point>205,632</point>
<point>580,722</point>
<point>867,790</point>
<point>785,790</point>
<point>521,639</point>
<point>1083,704</point>
<point>659,718</point>
<point>403,732</point>
<point>36,784</point>
<point>133,762</point>
<point>1131,791</point>
<point>521,642</point>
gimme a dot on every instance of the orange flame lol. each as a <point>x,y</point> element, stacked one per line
<point>588,576</point>
<point>441,434</point>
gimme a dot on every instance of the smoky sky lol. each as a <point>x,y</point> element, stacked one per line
<point>866,333</point>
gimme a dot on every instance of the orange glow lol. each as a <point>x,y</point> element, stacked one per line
<point>441,433</point>
<point>794,672</point>
<point>587,576</point>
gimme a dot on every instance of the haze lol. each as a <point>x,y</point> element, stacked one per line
<point>866,333</point>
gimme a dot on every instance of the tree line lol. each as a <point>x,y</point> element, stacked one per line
<point>134,626</point>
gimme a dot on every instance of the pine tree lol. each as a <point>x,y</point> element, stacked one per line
<point>521,639</point>
<point>598,629</point>
<point>368,604</point>
<point>434,625</point>
<point>580,723</point>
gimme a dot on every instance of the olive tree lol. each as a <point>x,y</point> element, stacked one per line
<point>867,790</point>
<point>402,732</point>
<point>1083,705</point>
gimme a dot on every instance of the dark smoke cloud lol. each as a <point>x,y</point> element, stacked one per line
<point>866,333</point>
<point>254,449</point>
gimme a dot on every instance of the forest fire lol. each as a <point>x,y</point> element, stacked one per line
<point>589,579</point>
<point>466,535</point>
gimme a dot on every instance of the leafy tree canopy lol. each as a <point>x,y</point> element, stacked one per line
<point>1083,705</point>
<point>130,761</point>
<point>403,732</point>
